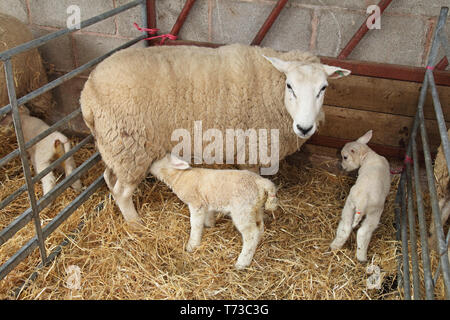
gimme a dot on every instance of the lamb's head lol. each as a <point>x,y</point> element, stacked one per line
<point>304,91</point>
<point>353,153</point>
<point>167,165</point>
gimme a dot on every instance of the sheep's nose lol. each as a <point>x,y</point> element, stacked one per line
<point>304,131</point>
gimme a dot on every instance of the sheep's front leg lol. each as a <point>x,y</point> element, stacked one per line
<point>123,194</point>
<point>251,232</point>
<point>345,226</point>
<point>198,216</point>
<point>364,234</point>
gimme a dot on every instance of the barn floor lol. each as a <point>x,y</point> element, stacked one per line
<point>293,260</point>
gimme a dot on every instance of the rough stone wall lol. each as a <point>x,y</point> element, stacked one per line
<point>320,26</point>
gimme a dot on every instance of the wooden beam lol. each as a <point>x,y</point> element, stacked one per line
<point>361,68</point>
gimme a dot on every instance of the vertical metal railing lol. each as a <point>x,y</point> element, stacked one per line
<point>37,205</point>
<point>406,217</point>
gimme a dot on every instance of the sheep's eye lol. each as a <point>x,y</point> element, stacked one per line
<point>353,151</point>
<point>321,90</point>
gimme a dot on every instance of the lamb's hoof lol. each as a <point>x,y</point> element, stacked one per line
<point>191,247</point>
<point>210,224</point>
<point>335,246</point>
<point>77,186</point>
<point>361,258</point>
<point>241,266</point>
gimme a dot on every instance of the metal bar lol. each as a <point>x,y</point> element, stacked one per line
<point>435,206</point>
<point>40,136</point>
<point>429,286</point>
<point>144,19</point>
<point>268,23</point>
<point>49,228</point>
<point>398,236</point>
<point>18,257</point>
<point>44,172</point>
<point>53,84</point>
<point>60,160</point>
<point>182,17</point>
<point>24,156</point>
<point>71,207</point>
<point>438,270</point>
<point>25,217</point>
<point>412,234</point>
<point>404,239</point>
<point>383,4</point>
<point>44,39</point>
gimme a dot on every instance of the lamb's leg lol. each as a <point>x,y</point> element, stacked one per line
<point>69,165</point>
<point>444,206</point>
<point>345,226</point>
<point>123,194</point>
<point>210,220</point>
<point>364,233</point>
<point>198,216</point>
<point>49,181</point>
<point>251,232</point>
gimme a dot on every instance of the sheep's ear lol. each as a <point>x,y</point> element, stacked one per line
<point>335,72</point>
<point>365,138</point>
<point>279,64</point>
<point>178,163</point>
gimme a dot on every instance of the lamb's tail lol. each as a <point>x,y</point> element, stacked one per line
<point>271,190</point>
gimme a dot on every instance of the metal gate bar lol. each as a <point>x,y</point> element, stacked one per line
<point>419,124</point>
<point>36,206</point>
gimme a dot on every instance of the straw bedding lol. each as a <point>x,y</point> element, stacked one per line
<point>292,261</point>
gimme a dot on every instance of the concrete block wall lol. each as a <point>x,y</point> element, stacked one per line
<point>320,26</point>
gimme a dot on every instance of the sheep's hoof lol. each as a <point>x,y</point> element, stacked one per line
<point>361,257</point>
<point>136,225</point>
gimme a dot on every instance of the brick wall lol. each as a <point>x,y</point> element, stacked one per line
<point>320,26</point>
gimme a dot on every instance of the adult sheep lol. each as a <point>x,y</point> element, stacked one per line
<point>28,69</point>
<point>134,100</point>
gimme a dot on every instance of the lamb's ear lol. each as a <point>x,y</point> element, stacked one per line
<point>335,72</point>
<point>365,138</point>
<point>279,64</point>
<point>178,163</point>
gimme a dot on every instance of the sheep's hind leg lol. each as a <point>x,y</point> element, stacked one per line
<point>110,179</point>
<point>123,194</point>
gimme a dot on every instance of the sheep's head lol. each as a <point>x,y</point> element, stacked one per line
<point>304,91</point>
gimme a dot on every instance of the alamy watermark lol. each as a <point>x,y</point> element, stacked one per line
<point>234,146</point>
<point>374,20</point>
<point>74,19</point>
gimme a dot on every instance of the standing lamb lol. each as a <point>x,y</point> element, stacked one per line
<point>134,100</point>
<point>42,153</point>
<point>366,197</point>
<point>240,193</point>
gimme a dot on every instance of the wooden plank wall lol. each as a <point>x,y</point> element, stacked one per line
<point>356,104</point>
